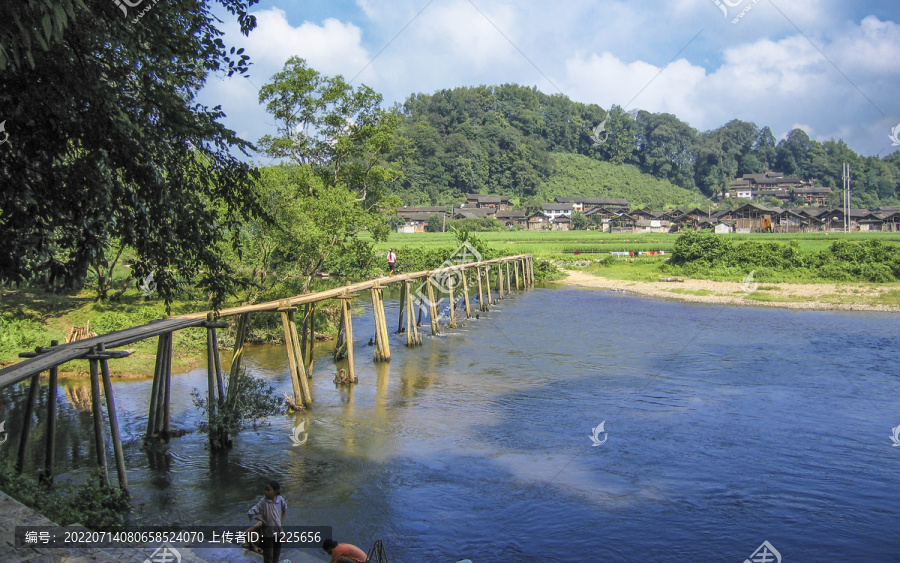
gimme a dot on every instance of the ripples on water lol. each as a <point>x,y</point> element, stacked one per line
<point>725,426</point>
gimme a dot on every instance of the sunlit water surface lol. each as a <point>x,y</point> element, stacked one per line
<point>724,427</point>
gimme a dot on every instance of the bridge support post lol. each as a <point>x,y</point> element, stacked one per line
<point>465,287</point>
<point>382,347</point>
<point>99,443</point>
<point>113,419</point>
<point>311,341</point>
<point>516,265</point>
<point>50,453</point>
<point>481,305</point>
<point>404,289</point>
<point>295,361</point>
<point>452,323</point>
<point>487,285</point>
<point>158,418</point>
<point>433,309</point>
<point>499,281</point>
<point>26,428</point>
<point>508,279</point>
<point>347,323</point>
<point>412,331</point>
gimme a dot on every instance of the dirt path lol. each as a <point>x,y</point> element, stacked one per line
<point>823,296</point>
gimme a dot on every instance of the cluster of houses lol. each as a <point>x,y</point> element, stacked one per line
<point>615,216</point>
<point>781,187</point>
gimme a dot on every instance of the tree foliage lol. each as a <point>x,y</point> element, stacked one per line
<point>332,187</point>
<point>106,141</point>
<point>507,140</point>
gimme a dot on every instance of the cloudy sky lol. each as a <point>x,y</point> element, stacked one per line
<point>830,67</point>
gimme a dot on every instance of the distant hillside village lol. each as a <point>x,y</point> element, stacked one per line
<point>616,215</point>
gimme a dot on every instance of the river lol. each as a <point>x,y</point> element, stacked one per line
<point>723,427</point>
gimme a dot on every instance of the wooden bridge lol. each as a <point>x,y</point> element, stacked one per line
<point>510,273</point>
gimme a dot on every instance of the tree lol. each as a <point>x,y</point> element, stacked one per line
<point>579,221</point>
<point>435,223</point>
<point>107,143</point>
<point>334,185</point>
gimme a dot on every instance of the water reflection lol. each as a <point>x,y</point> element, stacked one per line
<point>481,436</point>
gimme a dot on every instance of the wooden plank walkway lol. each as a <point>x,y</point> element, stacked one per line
<point>74,350</point>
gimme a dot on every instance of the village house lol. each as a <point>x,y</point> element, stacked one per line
<point>415,222</point>
<point>537,222</point>
<point>554,210</point>
<point>562,223</point>
<point>496,202</point>
<point>512,218</point>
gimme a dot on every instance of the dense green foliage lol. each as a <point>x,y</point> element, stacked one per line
<point>107,145</point>
<point>577,175</point>
<point>704,254</point>
<point>508,140</point>
<point>92,504</point>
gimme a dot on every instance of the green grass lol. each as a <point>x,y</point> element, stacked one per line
<point>545,243</point>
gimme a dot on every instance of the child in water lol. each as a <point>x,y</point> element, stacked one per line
<point>270,512</point>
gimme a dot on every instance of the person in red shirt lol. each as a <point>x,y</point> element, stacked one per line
<point>344,552</point>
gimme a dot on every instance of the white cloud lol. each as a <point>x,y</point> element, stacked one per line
<point>762,69</point>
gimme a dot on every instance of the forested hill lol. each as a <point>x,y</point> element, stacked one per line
<point>578,175</point>
<point>506,140</point>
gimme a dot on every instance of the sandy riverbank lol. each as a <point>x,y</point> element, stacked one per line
<point>820,296</point>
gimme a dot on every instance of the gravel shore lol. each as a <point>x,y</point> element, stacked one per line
<point>818,296</point>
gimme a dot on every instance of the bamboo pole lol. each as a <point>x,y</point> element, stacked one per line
<point>220,382</point>
<point>312,340</point>
<point>50,454</point>
<point>382,346</point>
<point>26,426</point>
<point>340,344</point>
<point>433,310</point>
<point>348,335</point>
<point>516,265</point>
<point>481,305</point>
<point>289,348</point>
<point>508,280</point>
<point>487,285</point>
<point>452,323</point>
<point>154,391</point>
<point>404,288</point>
<point>113,420</point>
<point>412,331</point>
<point>167,386</point>
<point>306,398</point>
<point>305,335</point>
<point>210,370</point>
<point>465,286</point>
<point>99,443</point>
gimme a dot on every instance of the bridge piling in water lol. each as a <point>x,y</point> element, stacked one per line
<point>452,323</point>
<point>111,414</point>
<point>465,287</point>
<point>382,346</point>
<point>412,330</point>
<point>50,451</point>
<point>433,309</point>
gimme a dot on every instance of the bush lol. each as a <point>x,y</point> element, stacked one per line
<point>248,400</point>
<point>92,505</point>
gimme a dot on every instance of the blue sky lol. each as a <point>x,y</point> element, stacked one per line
<point>829,67</point>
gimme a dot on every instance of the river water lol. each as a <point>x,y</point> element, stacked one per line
<point>723,427</point>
